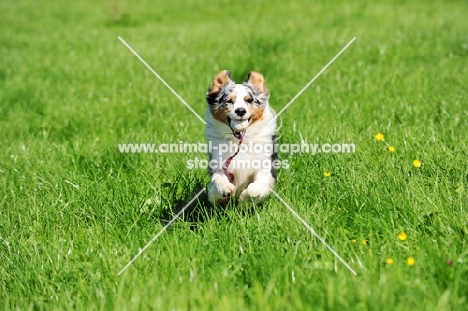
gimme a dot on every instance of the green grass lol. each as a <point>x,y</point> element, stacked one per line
<point>74,211</point>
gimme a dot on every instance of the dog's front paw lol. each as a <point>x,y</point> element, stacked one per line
<point>220,191</point>
<point>254,192</point>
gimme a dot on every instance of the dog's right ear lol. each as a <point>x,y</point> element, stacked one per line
<point>221,80</point>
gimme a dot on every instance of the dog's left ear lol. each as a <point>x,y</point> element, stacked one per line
<point>258,81</point>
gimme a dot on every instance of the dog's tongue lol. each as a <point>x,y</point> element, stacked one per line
<point>239,125</point>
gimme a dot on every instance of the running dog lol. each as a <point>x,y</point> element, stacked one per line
<point>241,134</point>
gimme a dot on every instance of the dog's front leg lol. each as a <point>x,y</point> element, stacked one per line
<point>260,188</point>
<point>220,188</point>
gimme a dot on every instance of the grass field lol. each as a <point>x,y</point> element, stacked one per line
<point>74,210</point>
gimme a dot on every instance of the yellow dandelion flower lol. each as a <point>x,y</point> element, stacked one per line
<point>391,149</point>
<point>416,163</point>
<point>379,136</point>
<point>411,261</point>
<point>353,240</point>
<point>326,174</point>
<point>389,261</point>
<point>363,242</point>
<point>402,236</point>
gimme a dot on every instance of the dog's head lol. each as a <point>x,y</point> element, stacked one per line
<point>237,105</point>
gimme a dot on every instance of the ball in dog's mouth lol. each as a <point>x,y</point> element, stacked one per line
<point>239,127</point>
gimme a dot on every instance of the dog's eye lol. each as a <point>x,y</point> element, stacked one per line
<point>229,101</point>
<point>249,100</point>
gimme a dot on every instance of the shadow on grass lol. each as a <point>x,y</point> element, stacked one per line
<point>201,209</point>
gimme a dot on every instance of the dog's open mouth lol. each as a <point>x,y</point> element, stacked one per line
<point>239,127</point>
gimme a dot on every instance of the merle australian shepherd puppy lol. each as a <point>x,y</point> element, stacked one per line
<point>239,118</point>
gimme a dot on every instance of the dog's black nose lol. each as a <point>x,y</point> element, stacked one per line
<point>240,112</point>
